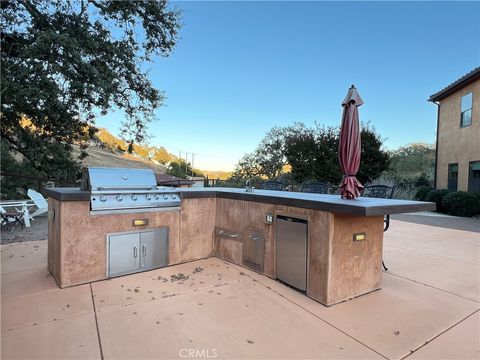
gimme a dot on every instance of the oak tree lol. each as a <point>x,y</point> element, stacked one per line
<point>64,62</point>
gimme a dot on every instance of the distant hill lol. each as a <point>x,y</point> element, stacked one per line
<point>110,151</point>
<point>222,175</point>
<point>413,159</point>
<point>149,153</point>
<point>106,158</point>
<point>106,150</point>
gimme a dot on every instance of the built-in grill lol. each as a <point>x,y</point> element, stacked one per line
<point>120,189</point>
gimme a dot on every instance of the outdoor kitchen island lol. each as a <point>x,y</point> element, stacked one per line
<point>341,240</point>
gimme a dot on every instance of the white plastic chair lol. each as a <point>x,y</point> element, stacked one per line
<point>40,203</point>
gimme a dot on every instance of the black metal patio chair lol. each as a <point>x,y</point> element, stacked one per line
<point>10,219</point>
<point>380,192</point>
<point>317,187</point>
<point>273,185</point>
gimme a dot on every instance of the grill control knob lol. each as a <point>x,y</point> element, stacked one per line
<point>156,197</point>
<point>148,197</point>
<point>165,196</point>
<point>103,198</point>
<point>173,196</point>
<point>119,197</point>
<point>134,197</point>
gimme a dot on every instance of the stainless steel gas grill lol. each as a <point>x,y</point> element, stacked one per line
<point>126,189</point>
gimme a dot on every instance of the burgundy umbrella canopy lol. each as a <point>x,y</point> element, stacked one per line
<point>349,150</point>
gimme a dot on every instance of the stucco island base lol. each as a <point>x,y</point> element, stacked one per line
<point>338,268</point>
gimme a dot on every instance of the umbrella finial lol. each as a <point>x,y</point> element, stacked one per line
<point>352,95</point>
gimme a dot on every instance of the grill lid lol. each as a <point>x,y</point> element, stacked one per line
<point>105,179</point>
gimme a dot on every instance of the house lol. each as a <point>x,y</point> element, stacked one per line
<point>457,165</point>
<point>198,181</point>
<point>172,181</point>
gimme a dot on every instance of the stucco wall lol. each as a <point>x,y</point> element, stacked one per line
<point>456,144</point>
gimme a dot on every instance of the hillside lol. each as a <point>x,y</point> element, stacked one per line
<point>413,159</point>
<point>110,151</point>
<point>222,175</point>
<point>110,141</point>
<point>106,158</point>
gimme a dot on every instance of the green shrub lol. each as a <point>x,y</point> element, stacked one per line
<point>461,203</point>
<point>476,194</point>
<point>437,196</point>
<point>422,193</point>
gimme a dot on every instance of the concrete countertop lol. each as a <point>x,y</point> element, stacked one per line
<point>362,206</point>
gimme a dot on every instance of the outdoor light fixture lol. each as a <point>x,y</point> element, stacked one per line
<point>140,222</point>
<point>268,218</point>
<point>359,236</point>
<point>51,215</point>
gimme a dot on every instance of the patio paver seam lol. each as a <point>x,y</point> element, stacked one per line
<point>431,242</point>
<point>47,321</point>
<point>3,298</point>
<point>434,226</point>
<point>96,322</point>
<point>316,316</point>
<point>20,271</point>
<point>430,254</point>
<point>431,286</point>
<point>438,335</point>
<point>419,246</point>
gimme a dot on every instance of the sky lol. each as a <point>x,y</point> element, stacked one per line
<point>241,68</point>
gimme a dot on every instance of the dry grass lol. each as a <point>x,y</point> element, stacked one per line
<point>106,158</point>
<point>401,192</point>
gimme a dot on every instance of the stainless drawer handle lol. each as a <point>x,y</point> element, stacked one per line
<point>254,237</point>
<point>221,231</point>
<point>233,235</point>
<point>135,251</point>
<point>144,250</point>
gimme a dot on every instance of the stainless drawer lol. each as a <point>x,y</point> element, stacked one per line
<point>228,245</point>
<point>254,249</point>
<point>228,234</point>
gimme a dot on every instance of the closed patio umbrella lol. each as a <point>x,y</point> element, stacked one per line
<point>350,147</point>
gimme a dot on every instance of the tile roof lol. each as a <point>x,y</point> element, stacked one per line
<point>456,85</point>
<point>164,179</point>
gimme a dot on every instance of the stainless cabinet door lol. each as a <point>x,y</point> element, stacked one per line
<point>123,254</point>
<point>292,251</point>
<point>154,249</point>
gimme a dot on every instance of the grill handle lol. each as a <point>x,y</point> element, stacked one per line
<point>103,188</point>
<point>135,252</point>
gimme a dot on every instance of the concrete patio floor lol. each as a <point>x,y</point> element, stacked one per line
<point>428,308</point>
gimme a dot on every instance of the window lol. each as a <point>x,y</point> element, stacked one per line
<point>452,177</point>
<point>466,110</point>
<point>474,176</point>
